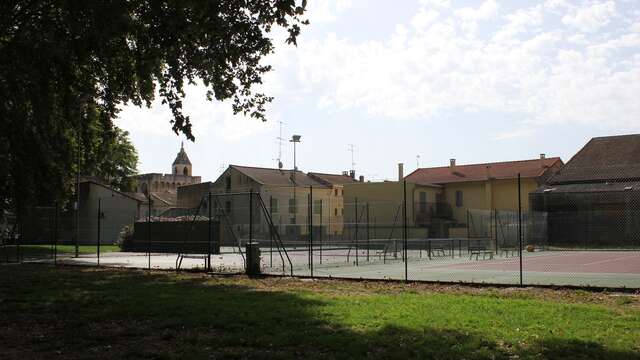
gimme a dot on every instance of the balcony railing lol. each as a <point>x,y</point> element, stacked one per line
<point>426,212</point>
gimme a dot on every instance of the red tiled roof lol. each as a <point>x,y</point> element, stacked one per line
<point>479,172</point>
<point>332,179</point>
<point>279,177</point>
<point>607,158</point>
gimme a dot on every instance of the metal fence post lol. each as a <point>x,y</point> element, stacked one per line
<point>149,231</point>
<point>311,229</point>
<point>271,231</point>
<point>368,235</point>
<point>321,227</point>
<point>210,239</point>
<point>520,226</point>
<point>99,223</point>
<point>308,232</point>
<point>404,229</point>
<point>55,235</point>
<point>494,229</point>
<point>356,231</point>
<point>18,238</point>
<point>250,247</point>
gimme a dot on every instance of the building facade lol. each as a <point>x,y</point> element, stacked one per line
<point>594,200</point>
<point>103,213</point>
<point>486,186</point>
<point>285,194</point>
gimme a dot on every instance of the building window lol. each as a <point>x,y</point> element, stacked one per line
<point>227,207</point>
<point>292,206</point>
<point>335,192</point>
<point>458,198</point>
<point>228,183</point>
<point>422,205</point>
<point>274,206</point>
<point>317,207</point>
<point>185,171</point>
<point>335,211</point>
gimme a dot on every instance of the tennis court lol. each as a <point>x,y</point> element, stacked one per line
<point>574,268</point>
<point>446,260</point>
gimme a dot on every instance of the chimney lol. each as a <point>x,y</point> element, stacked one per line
<point>452,162</point>
<point>400,171</point>
<point>361,178</point>
<point>352,174</point>
<point>543,156</point>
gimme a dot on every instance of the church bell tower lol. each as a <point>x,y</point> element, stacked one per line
<point>181,165</point>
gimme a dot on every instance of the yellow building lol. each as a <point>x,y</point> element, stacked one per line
<point>382,203</point>
<point>486,186</point>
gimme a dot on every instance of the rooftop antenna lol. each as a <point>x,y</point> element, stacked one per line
<point>352,149</point>
<point>280,141</point>
<point>418,161</point>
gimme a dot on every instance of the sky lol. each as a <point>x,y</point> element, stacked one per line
<point>420,82</point>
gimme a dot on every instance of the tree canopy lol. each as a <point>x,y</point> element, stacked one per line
<point>67,66</point>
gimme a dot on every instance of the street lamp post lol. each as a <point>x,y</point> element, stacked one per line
<point>294,139</point>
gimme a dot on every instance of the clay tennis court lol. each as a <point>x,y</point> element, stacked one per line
<point>575,268</point>
<point>597,262</point>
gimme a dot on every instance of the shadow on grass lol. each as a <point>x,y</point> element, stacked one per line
<point>58,312</point>
<point>31,252</point>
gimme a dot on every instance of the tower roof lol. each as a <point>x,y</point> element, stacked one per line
<point>182,158</point>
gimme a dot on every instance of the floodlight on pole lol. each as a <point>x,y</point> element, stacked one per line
<point>294,139</point>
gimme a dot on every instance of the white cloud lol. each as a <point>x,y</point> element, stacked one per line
<point>556,4</point>
<point>211,120</point>
<point>424,18</point>
<point>591,18</point>
<point>435,3</point>
<point>514,134</point>
<point>519,22</point>
<point>548,74</point>
<point>487,10</point>
<point>471,16</point>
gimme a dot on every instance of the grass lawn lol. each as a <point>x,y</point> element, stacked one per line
<point>48,312</point>
<point>46,251</point>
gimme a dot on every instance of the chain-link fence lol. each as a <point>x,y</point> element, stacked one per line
<point>553,235</point>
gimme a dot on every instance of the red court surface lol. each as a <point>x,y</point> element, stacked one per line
<point>618,262</point>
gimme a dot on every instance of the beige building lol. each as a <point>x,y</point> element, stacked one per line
<point>285,194</point>
<point>382,203</point>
